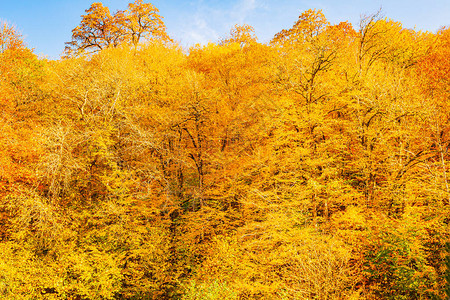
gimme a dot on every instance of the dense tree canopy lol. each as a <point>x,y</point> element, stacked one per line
<point>315,166</point>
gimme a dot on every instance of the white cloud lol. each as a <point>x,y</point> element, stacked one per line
<point>200,32</point>
<point>211,22</point>
<point>242,10</point>
<point>200,27</point>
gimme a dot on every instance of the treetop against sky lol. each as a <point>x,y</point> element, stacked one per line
<point>46,25</point>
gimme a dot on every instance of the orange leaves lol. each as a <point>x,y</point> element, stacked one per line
<point>100,29</point>
<point>12,51</point>
<point>19,152</point>
<point>142,21</point>
<point>309,25</point>
<point>9,37</point>
<point>341,32</point>
<point>21,76</point>
<point>243,35</point>
<point>434,68</point>
<point>384,40</point>
<point>295,169</point>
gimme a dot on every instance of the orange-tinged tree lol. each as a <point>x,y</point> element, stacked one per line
<point>312,108</point>
<point>99,29</point>
<point>9,37</point>
<point>141,21</point>
<point>88,173</point>
<point>433,72</point>
<point>20,95</point>
<point>242,34</point>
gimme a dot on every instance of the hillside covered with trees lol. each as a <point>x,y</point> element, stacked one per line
<point>314,166</point>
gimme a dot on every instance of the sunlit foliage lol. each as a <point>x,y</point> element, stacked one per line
<point>311,167</point>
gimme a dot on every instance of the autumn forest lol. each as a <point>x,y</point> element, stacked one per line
<point>313,166</point>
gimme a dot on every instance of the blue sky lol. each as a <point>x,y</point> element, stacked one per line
<point>47,24</point>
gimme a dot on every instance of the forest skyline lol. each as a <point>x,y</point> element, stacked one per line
<point>46,26</point>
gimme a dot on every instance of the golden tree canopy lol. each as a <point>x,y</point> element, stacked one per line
<point>99,29</point>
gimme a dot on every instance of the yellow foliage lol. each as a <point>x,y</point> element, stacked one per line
<point>311,167</point>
